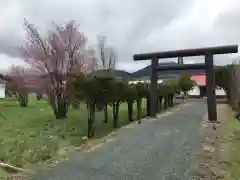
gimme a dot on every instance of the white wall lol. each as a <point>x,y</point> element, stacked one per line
<point>220,92</point>
<point>194,92</point>
<point>2,90</point>
<point>144,81</point>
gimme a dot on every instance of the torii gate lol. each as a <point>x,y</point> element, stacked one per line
<point>208,65</point>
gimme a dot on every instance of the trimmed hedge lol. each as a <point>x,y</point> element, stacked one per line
<point>101,91</point>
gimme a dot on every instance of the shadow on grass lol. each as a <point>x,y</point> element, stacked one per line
<point>17,105</point>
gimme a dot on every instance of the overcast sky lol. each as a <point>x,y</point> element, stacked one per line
<point>131,26</point>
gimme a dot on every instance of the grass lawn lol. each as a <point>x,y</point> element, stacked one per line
<point>30,135</point>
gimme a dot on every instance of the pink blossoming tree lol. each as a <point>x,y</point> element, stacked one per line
<point>18,81</point>
<point>53,58</point>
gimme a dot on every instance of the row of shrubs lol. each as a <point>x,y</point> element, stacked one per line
<point>99,92</point>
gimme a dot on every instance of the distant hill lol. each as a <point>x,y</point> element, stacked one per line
<point>113,72</point>
<point>145,72</point>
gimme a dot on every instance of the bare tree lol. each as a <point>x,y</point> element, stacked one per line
<point>112,58</point>
<point>93,61</point>
<point>107,62</point>
<point>92,66</point>
<point>107,55</point>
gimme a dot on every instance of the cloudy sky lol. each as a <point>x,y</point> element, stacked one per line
<point>131,26</point>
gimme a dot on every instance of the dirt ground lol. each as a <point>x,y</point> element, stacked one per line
<point>214,160</point>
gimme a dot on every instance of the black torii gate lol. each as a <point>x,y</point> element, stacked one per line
<point>208,65</point>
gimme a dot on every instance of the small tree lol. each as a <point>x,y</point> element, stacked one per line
<point>163,93</point>
<point>172,90</point>
<point>18,81</point>
<point>130,95</point>
<point>53,58</point>
<point>185,84</point>
<point>142,92</point>
<point>117,96</point>
<point>96,91</point>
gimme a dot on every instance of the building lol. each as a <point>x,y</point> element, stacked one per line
<point>200,88</point>
<point>2,87</point>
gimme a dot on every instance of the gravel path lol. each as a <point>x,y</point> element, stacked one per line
<point>159,149</point>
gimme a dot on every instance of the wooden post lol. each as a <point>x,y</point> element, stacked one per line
<point>211,96</point>
<point>153,87</point>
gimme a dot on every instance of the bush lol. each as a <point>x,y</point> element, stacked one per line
<point>185,84</point>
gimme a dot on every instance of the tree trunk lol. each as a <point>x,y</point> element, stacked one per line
<point>62,112</point>
<point>115,114</point>
<point>60,107</point>
<point>75,104</point>
<point>139,110</point>
<point>91,119</point>
<point>105,110</point>
<point>23,100</point>
<point>157,104</point>
<point>39,97</point>
<point>148,106</point>
<point>165,102</point>
<point>228,95</point>
<point>185,95</point>
<point>160,103</point>
<point>169,100</point>
<point>130,110</point>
